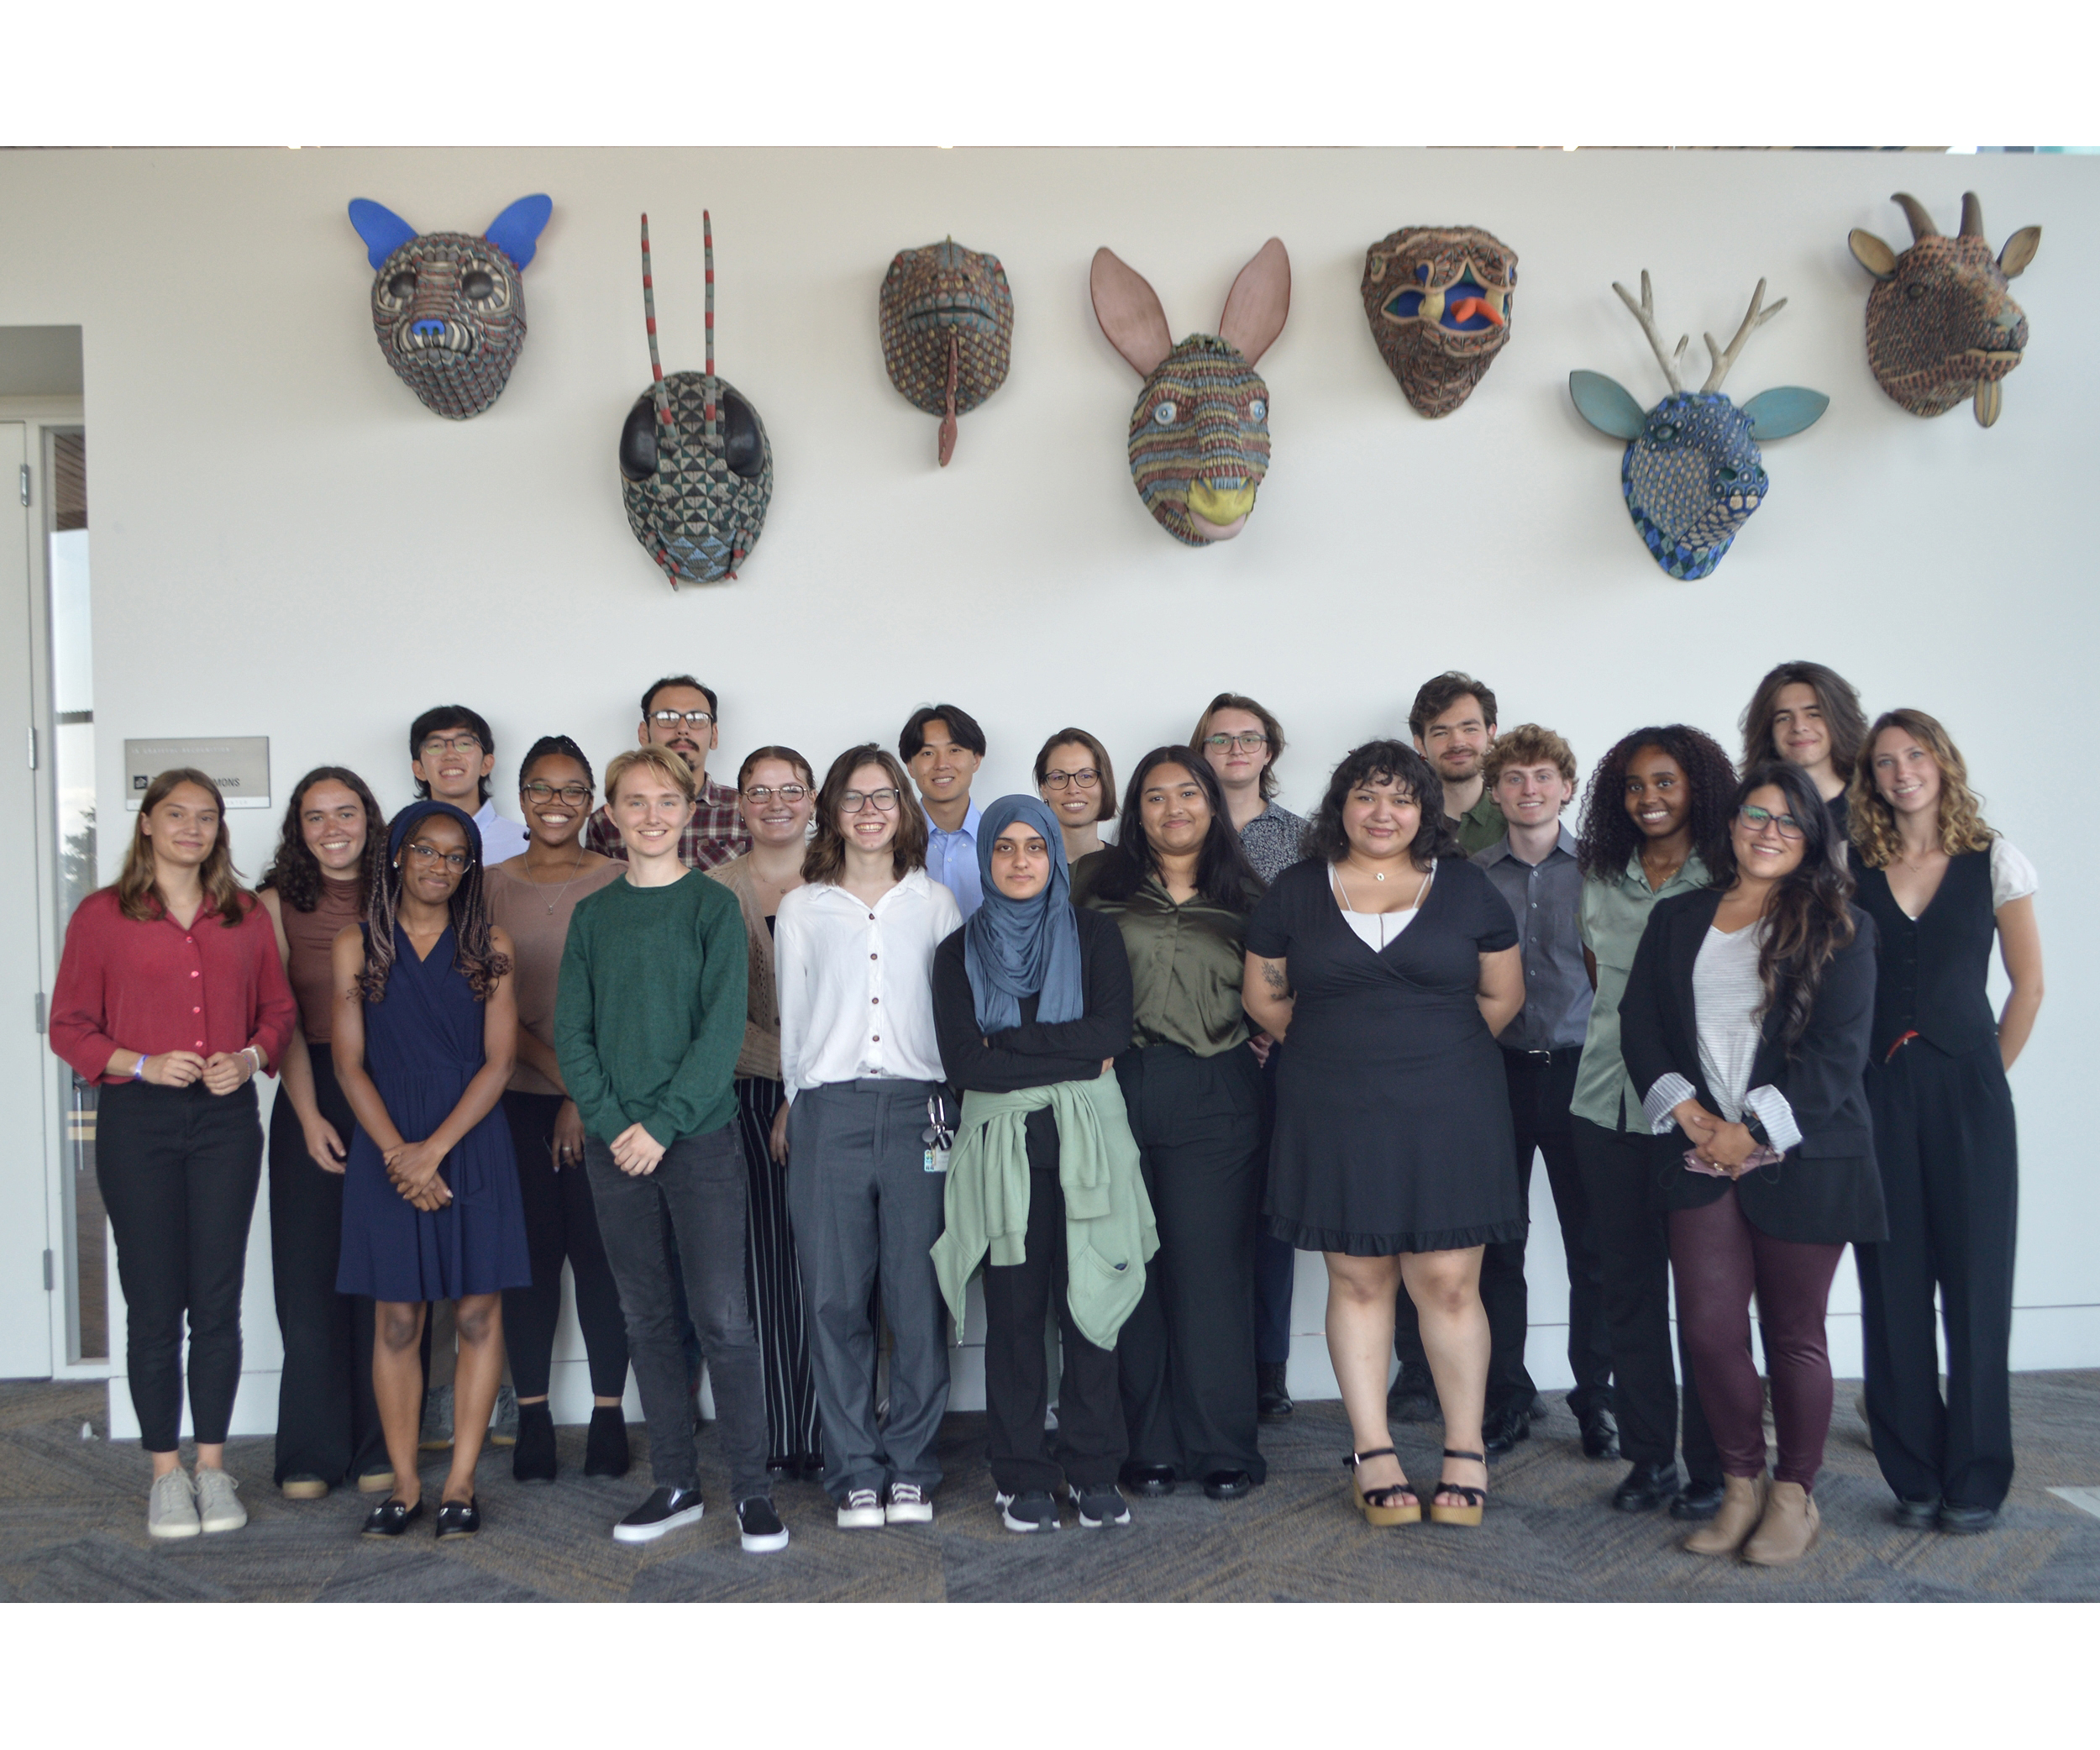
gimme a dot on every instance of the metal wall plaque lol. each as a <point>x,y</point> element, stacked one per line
<point>240,764</point>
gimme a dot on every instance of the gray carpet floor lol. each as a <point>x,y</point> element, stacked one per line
<point>72,1527</point>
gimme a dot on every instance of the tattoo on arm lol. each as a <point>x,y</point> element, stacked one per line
<point>1273,976</point>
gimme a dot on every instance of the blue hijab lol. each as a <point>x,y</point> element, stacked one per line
<point>1017,948</point>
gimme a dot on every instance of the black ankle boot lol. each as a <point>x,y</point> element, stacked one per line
<point>532,1458</point>
<point>604,1452</point>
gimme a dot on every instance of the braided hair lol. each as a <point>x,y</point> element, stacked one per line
<point>472,950</point>
<point>295,873</point>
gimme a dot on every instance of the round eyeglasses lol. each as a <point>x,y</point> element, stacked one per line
<point>1086,778</point>
<point>884,801</point>
<point>1757,819</point>
<point>761,793</point>
<point>425,855</point>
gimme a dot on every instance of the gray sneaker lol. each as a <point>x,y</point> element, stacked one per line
<point>172,1508</point>
<point>437,1420</point>
<point>503,1424</point>
<point>219,1508</point>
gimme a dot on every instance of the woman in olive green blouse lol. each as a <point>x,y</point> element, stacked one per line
<point>1180,889</point>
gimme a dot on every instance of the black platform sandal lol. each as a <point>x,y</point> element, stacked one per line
<point>1382,1506</point>
<point>1475,1498</point>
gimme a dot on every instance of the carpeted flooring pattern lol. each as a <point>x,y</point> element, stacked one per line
<point>72,1527</point>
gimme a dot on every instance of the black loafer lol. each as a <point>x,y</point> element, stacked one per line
<point>1647,1487</point>
<point>1148,1479</point>
<point>1227,1485</point>
<point>1697,1500</point>
<point>1918,1516</point>
<point>1954,1518</point>
<point>1600,1434</point>
<point>392,1517</point>
<point>1501,1432</point>
<point>458,1519</point>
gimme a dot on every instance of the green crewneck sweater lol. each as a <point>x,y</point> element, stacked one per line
<point>650,1012</point>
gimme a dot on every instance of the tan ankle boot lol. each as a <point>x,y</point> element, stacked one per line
<point>1788,1529</point>
<point>1742,1505</point>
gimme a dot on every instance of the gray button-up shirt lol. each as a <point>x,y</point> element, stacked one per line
<point>1548,899</point>
<point>1271,841</point>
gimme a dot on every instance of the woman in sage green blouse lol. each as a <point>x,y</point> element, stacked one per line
<point>1180,889</point>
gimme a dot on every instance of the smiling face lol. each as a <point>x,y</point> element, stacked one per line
<point>1457,740</point>
<point>555,797</point>
<point>333,826</point>
<point>183,826</point>
<point>1021,860</point>
<point>1173,810</point>
<point>774,819</point>
<point>434,860</point>
<point>1657,796</point>
<point>943,767</point>
<point>1773,847</point>
<point>1439,300</point>
<point>685,736</point>
<point>1199,441</point>
<point>1799,736</point>
<point>868,810</point>
<point>452,762</point>
<point>1528,796</point>
<point>1905,773</point>
<point>1240,763</point>
<point>1072,784</point>
<point>650,812</point>
<point>1380,819</point>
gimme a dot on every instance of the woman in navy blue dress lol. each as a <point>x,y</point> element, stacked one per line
<point>426,1027</point>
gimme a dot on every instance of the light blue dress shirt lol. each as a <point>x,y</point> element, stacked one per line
<point>951,859</point>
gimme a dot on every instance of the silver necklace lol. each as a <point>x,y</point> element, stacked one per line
<point>567,885</point>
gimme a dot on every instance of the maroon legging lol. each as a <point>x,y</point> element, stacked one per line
<point>1718,1258</point>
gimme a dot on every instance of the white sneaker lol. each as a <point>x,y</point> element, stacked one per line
<point>861,1509</point>
<point>908,1504</point>
<point>217,1508</point>
<point>172,1508</point>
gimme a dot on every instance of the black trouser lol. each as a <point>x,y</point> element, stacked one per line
<point>328,1423</point>
<point>1539,1090</point>
<point>1089,1446</point>
<point>561,1221</point>
<point>773,1280</point>
<point>1188,1351</point>
<point>179,1167</point>
<point>1633,1245</point>
<point>1275,1260</point>
<point>1944,1137</point>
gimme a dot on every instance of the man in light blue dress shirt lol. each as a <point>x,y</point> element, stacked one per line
<point>942,746</point>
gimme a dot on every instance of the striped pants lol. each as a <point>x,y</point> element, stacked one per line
<point>774,1280</point>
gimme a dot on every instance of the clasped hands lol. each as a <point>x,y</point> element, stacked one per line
<point>221,1073</point>
<point>412,1168</point>
<point>636,1152</point>
<point>1717,1142</point>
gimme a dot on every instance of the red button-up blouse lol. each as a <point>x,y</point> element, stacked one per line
<point>154,987</point>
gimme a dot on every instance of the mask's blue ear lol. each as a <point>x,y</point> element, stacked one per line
<point>1782,413</point>
<point>1606,405</point>
<point>517,229</point>
<point>383,232</point>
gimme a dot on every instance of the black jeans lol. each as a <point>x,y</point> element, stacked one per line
<point>560,1221</point>
<point>1275,1260</point>
<point>327,1422</point>
<point>179,1167</point>
<point>697,1189</point>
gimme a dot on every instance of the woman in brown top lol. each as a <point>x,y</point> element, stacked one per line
<point>328,1425</point>
<point>776,797</point>
<point>532,897</point>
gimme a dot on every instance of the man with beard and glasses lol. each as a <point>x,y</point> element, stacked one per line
<point>680,713</point>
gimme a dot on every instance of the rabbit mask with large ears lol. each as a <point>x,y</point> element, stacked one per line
<point>1199,435</point>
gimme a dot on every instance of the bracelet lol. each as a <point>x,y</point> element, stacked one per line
<point>139,1069</point>
<point>257,1050</point>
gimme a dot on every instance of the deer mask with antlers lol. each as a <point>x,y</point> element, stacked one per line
<point>1941,325</point>
<point>1693,472</point>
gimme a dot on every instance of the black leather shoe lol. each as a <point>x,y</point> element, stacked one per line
<point>1148,1479</point>
<point>1600,1434</point>
<point>1918,1516</point>
<point>458,1519</point>
<point>1500,1433</point>
<point>1954,1518</point>
<point>1271,1396</point>
<point>1647,1487</point>
<point>1227,1485</point>
<point>1412,1397</point>
<point>1697,1500</point>
<point>392,1517</point>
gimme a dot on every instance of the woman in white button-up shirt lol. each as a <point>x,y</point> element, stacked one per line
<point>867,1131</point>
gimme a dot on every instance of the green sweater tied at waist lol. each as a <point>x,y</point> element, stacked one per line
<point>1109,1231</point>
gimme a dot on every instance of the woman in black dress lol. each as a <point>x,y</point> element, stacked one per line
<point>1391,963</point>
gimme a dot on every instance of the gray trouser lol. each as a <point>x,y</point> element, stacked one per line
<point>864,1208</point>
<point>699,1187</point>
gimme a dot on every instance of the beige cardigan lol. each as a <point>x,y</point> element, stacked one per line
<point>760,1056</point>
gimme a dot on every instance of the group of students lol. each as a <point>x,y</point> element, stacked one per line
<point>706,1043</point>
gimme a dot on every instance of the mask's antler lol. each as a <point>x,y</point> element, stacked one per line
<point>1752,321</point>
<point>1644,313</point>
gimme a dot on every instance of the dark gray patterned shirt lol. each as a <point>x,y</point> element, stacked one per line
<point>1272,841</point>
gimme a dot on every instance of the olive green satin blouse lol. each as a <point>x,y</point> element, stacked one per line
<point>1185,963</point>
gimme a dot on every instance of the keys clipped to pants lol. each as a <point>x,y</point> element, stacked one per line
<point>939,1134</point>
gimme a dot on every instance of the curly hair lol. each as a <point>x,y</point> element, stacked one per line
<point>1610,836</point>
<point>473,952</point>
<point>294,871</point>
<point>1393,762</point>
<point>1872,822</point>
<point>137,896</point>
<point>1528,744</point>
<point>1835,697</point>
<point>1224,876</point>
<point>1808,916</point>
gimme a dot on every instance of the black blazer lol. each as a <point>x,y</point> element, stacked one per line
<point>1828,1190</point>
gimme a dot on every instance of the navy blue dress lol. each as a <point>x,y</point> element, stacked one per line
<point>423,1046</point>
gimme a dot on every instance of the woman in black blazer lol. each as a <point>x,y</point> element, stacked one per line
<point>1745,1021</point>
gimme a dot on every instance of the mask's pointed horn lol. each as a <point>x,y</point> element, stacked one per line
<point>707,242</point>
<point>1921,224</point>
<point>1971,216</point>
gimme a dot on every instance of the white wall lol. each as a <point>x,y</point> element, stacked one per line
<point>286,543</point>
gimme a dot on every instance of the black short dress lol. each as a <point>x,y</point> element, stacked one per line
<point>1393,1129</point>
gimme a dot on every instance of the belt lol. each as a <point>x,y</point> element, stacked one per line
<point>1531,1057</point>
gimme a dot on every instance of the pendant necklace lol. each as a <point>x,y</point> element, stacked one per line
<point>567,885</point>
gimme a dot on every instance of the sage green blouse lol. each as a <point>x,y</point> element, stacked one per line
<point>1185,962</point>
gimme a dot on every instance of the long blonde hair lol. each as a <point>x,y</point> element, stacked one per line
<point>139,900</point>
<point>1872,822</point>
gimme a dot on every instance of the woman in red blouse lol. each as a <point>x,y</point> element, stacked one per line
<point>171,995</point>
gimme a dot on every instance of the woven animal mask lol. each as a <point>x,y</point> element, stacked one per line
<point>1693,472</point>
<point>1941,324</point>
<point>1199,435</point>
<point>449,309</point>
<point>696,471</point>
<point>948,330</point>
<point>1438,298</point>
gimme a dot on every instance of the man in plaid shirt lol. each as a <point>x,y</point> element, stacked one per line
<point>679,713</point>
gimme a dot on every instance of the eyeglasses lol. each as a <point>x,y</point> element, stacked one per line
<point>1251,739</point>
<point>452,744</point>
<point>575,795</point>
<point>1757,819</point>
<point>1086,778</point>
<point>883,801</point>
<point>427,854</point>
<point>691,719</point>
<point>760,794</point>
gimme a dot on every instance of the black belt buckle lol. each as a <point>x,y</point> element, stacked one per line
<point>1531,1057</point>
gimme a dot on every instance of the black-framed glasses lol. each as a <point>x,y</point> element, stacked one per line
<point>884,801</point>
<point>575,795</point>
<point>1086,778</point>
<point>759,795</point>
<point>425,855</point>
<point>1757,819</point>
<point>1251,739</point>
<point>451,744</point>
<point>691,719</point>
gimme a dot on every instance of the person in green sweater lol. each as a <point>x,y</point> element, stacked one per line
<point>648,1023</point>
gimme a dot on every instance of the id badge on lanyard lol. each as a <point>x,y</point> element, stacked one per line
<point>939,1134</point>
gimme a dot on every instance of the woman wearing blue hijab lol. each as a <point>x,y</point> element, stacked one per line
<point>1030,994</point>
